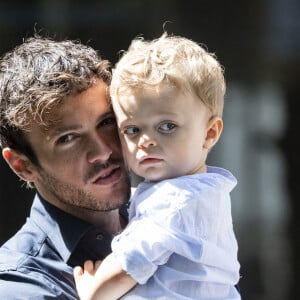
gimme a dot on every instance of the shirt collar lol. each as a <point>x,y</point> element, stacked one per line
<point>63,230</point>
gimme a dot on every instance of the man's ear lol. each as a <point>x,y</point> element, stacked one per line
<point>20,164</point>
<point>213,132</point>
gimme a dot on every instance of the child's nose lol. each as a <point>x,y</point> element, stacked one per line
<point>146,141</point>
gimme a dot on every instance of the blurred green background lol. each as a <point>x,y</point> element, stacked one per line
<point>258,43</point>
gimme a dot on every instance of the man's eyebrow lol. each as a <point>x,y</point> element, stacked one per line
<point>109,113</point>
<point>59,130</point>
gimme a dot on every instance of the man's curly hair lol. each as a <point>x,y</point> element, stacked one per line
<point>35,78</point>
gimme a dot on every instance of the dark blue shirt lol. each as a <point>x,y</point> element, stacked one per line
<point>37,262</point>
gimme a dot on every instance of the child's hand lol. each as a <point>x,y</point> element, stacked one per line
<point>84,277</point>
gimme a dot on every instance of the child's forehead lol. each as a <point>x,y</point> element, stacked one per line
<point>159,98</point>
<point>164,96</point>
<point>144,91</point>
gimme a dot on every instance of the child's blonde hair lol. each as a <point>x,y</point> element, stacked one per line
<point>174,60</point>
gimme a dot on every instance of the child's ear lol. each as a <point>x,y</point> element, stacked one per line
<point>213,132</point>
<point>20,164</point>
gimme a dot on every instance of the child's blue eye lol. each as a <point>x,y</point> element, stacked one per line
<point>168,126</point>
<point>131,130</point>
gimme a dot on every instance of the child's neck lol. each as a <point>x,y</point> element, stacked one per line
<point>201,168</point>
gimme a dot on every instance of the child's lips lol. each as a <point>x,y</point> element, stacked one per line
<point>150,160</point>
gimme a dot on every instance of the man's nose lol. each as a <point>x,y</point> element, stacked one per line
<point>99,150</point>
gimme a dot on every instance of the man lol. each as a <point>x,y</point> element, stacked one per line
<point>58,133</point>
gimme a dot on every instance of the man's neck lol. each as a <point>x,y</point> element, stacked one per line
<point>111,221</point>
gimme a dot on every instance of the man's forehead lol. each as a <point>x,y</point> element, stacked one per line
<point>91,103</point>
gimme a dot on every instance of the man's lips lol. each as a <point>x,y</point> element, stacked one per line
<point>108,176</point>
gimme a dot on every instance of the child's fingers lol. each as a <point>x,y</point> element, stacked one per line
<point>77,271</point>
<point>97,264</point>
<point>89,266</point>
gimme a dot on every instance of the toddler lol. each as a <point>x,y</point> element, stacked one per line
<point>168,97</point>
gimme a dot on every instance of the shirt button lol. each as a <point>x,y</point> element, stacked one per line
<point>99,237</point>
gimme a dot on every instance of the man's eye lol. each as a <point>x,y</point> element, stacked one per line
<point>167,127</point>
<point>131,130</point>
<point>65,139</point>
<point>108,121</point>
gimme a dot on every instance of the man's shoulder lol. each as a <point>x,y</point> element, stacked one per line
<point>27,241</point>
<point>10,260</point>
<point>31,268</point>
<point>25,244</point>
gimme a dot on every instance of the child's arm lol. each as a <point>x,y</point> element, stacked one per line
<point>107,281</point>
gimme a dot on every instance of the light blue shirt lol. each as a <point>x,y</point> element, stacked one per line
<point>180,242</point>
